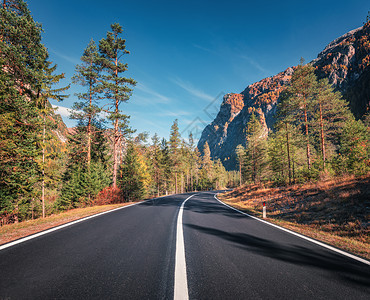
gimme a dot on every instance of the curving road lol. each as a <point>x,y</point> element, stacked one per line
<point>132,253</point>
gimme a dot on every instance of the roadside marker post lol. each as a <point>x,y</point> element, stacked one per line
<point>264,210</point>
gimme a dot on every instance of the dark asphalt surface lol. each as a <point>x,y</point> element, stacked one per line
<point>130,254</point>
<point>232,256</point>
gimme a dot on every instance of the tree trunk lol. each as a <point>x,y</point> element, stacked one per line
<point>240,173</point>
<point>89,128</point>
<point>288,152</point>
<point>116,134</point>
<point>322,137</point>
<point>175,183</point>
<point>43,168</point>
<point>307,137</point>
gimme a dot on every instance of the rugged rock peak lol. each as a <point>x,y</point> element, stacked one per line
<point>267,90</point>
<point>233,102</point>
<point>345,61</point>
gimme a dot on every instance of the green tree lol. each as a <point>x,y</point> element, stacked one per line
<point>25,84</point>
<point>82,182</point>
<point>206,175</point>
<point>88,75</point>
<point>174,145</point>
<point>256,149</point>
<point>116,88</point>
<point>134,176</point>
<point>330,114</point>
<point>354,149</point>
<point>298,104</point>
<point>240,156</point>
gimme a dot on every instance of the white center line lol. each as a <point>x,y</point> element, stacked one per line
<point>181,282</point>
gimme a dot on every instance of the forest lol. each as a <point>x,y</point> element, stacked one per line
<point>106,161</point>
<point>316,136</point>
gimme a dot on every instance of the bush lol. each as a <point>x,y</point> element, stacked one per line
<point>109,195</point>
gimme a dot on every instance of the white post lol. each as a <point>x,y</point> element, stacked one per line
<point>264,210</point>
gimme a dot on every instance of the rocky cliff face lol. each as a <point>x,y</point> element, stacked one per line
<point>345,61</point>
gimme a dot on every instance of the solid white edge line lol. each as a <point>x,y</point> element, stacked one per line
<point>300,235</point>
<point>181,281</point>
<point>30,237</point>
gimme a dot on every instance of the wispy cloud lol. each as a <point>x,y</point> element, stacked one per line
<point>68,58</point>
<point>175,113</point>
<point>62,110</point>
<point>150,94</point>
<point>255,64</point>
<point>187,86</point>
<point>204,48</point>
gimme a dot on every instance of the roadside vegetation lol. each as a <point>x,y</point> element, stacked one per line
<point>334,211</point>
<point>100,161</point>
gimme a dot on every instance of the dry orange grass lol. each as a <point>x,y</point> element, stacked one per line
<point>11,232</point>
<point>335,211</point>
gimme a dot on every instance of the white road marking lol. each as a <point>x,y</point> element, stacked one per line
<point>181,281</point>
<point>30,237</point>
<point>300,235</point>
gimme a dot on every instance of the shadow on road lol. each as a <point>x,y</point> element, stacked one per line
<point>342,267</point>
<point>205,207</point>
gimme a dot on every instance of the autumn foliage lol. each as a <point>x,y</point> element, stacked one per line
<point>109,195</point>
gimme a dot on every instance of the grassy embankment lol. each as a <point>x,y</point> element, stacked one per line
<point>336,212</point>
<point>11,232</point>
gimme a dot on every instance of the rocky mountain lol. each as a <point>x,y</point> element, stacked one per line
<point>345,61</point>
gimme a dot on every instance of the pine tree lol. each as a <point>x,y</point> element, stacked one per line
<point>134,177</point>
<point>354,155</point>
<point>298,105</point>
<point>46,92</point>
<point>256,149</point>
<point>206,175</point>
<point>82,182</point>
<point>174,144</point>
<point>116,88</point>
<point>240,155</point>
<point>88,75</point>
<point>25,83</point>
<point>331,113</point>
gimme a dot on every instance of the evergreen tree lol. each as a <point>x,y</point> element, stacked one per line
<point>206,175</point>
<point>25,83</point>
<point>134,176</point>
<point>82,182</point>
<point>116,88</point>
<point>255,150</point>
<point>88,75</point>
<point>240,156</point>
<point>331,113</point>
<point>354,155</point>
<point>298,104</point>
<point>174,145</point>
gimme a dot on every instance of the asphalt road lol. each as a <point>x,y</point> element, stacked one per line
<point>130,254</point>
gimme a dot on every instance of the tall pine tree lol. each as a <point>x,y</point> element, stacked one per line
<point>116,88</point>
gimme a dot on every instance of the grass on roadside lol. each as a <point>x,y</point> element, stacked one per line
<point>11,232</point>
<point>333,211</point>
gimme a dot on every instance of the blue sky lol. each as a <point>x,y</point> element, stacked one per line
<point>186,54</point>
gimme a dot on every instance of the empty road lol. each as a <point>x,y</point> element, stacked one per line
<point>134,253</point>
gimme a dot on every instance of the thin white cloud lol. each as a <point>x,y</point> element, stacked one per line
<point>70,59</point>
<point>62,110</point>
<point>187,86</point>
<point>203,48</point>
<point>150,95</point>
<point>175,113</point>
<point>255,64</point>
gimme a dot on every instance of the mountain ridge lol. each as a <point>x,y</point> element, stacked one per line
<point>345,62</point>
